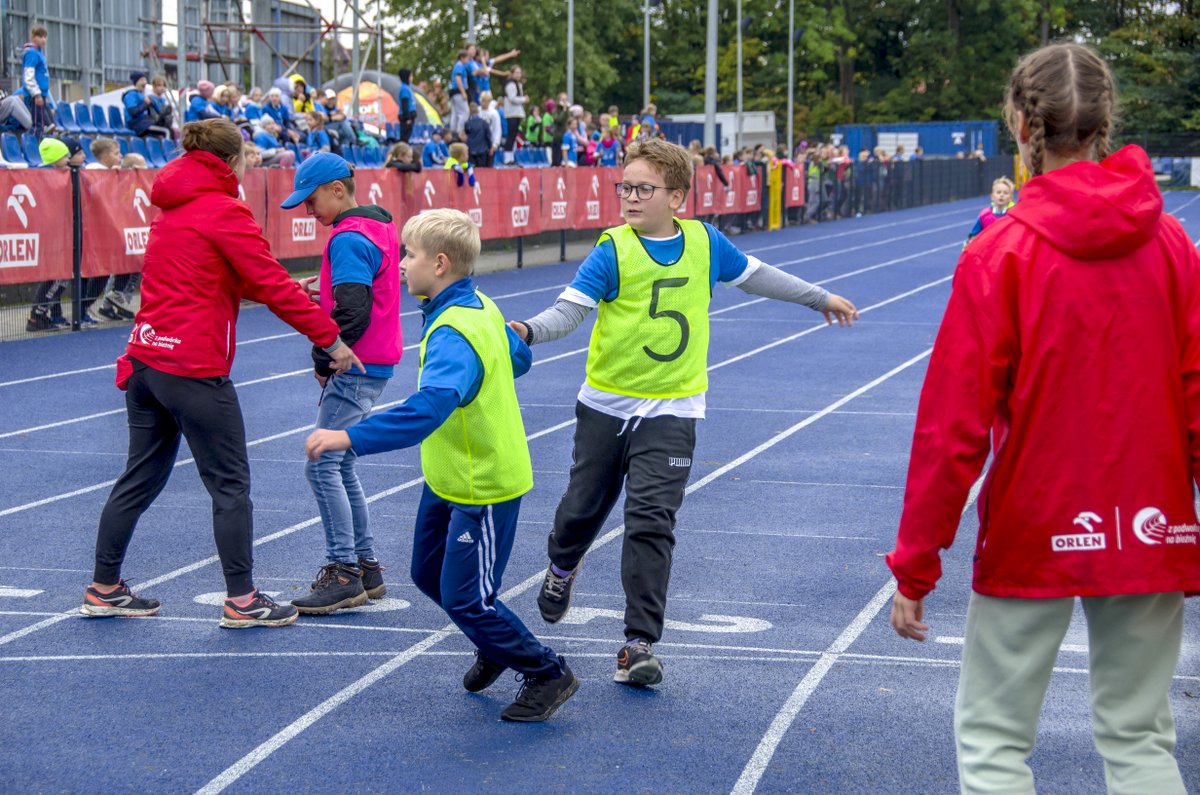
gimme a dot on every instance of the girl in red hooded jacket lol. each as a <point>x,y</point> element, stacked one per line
<point>204,254</point>
<point>1070,350</point>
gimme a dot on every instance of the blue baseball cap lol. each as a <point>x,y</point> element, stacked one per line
<point>313,173</point>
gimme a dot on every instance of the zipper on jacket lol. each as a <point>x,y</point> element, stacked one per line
<point>228,325</point>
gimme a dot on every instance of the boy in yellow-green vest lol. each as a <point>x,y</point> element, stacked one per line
<point>474,457</point>
<point>651,280</point>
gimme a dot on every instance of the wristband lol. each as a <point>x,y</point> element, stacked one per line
<point>529,332</point>
<point>337,343</point>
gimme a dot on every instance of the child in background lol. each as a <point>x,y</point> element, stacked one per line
<point>360,289</point>
<point>474,456</point>
<point>400,157</point>
<point>134,160</point>
<point>107,153</point>
<point>608,150</point>
<point>570,144</point>
<point>318,139</point>
<point>1002,200</point>
<point>1070,351</point>
<point>651,282</point>
<point>479,138</point>
<point>458,163</point>
<point>434,153</point>
<point>46,314</point>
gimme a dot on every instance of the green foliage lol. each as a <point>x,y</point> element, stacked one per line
<point>857,60</point>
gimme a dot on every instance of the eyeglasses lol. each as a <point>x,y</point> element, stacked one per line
<point>644,192</point>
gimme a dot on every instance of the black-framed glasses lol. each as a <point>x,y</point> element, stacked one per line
<point>644,192</point>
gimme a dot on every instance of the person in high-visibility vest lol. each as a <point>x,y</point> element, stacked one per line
<point>647,373</point>
<point>474,456</point>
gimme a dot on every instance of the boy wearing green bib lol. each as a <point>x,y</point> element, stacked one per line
<point>647,373</point>
<point>474,457</point>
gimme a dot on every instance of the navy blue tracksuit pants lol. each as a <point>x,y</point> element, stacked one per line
<point>459,555</point>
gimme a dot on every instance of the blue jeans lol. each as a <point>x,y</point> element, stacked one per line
<point>347,398</point>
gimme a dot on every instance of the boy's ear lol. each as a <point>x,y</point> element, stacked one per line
<point>677,199</point>
<point>443,264</point>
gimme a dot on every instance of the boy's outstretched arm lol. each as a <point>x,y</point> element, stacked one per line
<point>596,281</point>
<point>770,282</point>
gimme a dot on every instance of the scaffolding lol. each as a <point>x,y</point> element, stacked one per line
<point>95,44</point>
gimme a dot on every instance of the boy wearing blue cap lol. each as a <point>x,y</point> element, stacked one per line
<point>360,288</point>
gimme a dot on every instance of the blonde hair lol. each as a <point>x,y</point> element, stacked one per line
<point>1068,98</point>
<point>396,152</point>
<point>459,151</point>
<point>218,136</point>
<point>670,160</point>
<point>102,145</point>
<point>1005,181</point>
<point>133,160</point>
<point>449,232</point>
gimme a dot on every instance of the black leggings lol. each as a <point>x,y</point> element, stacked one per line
<point>206,412</point>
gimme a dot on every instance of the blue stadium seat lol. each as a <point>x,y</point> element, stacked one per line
<point>124,144</point>
<point>154,148</point>
<point>83,117</point>
<point>171,149</point>
<point>29,145</point>
<point>65,117</point>
<point>116,120</point>
<point>11,148</point>
<point>100,121</point>
<point>138,147</point>
<point>296,150</point>
<point>86,143</point>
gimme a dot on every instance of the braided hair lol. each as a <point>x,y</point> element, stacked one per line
<point>1067,95</point>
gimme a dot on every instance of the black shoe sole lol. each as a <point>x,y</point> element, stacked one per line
<point>482,684</point>
<point>323,610</point>
<point>558,702</point>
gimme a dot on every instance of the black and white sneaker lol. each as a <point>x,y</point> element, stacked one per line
<point>637,665</point>
<point>538,698</point>
<point>337,586</point>
<point>554,599</point>
<point>482,674</point>
<point>121,602</point>
<point>372,578</point>
<point>263,611</point>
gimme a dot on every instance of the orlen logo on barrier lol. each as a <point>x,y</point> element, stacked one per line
<point>476,213</point>
<point>429,192</point>
<point>20,250</point>
<point>558,209</point>
<point>304,229</point>
<point>706,196</point>
<point>731,191</point>
<point>137,236</point>
<point>593,204</point>
<point>752,193</point>
<point>796,184</point>
<point>520,213</point>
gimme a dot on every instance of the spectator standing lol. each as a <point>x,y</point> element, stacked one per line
<point>460,92</point>
<point>491,114</point>
<point>204,253</point>
<point>459,162</point>
<point>479,138</point>
<point>570,144</point>
<point>35,79</point>
<point>46,313</point>
<point>514,108</point>
<point>608,150</point>
<point>408,105</point>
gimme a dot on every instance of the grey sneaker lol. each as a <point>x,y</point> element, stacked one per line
<point>637,665</point>
<point>554,599</point>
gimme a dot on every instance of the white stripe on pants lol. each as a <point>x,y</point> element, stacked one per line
<point>1008,657</point>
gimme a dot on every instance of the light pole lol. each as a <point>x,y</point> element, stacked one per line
<point>470,21</point>
<point>742,22</point>
<point>791,71</point>
<point>570,50</point>
<point>646,6</point>
<point>710,79</point>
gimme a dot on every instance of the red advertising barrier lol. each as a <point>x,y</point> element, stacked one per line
<point>117,214</point>
<point>35,234</point>
<point>793,186</point>
<point>35,230</point>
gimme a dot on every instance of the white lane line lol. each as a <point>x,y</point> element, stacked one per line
<point>60,423</point>
<point>779,535</point>
<point>824,484</point>
<point>757,765</point>
<point>858,231</point>
<point>1179,209</point>
<point>951,640</point>
<point>252,759</point>
<point>33,378</point>
<point>18,593</point>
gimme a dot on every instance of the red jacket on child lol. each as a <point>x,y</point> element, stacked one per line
<point>1071,349</point>
<point>206,252</point>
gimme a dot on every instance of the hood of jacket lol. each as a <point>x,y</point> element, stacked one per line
<point>186,178</point>
<point>1094,210</point>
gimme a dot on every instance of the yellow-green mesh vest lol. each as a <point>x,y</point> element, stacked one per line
<point>479,455</point>
<point>652,340</point>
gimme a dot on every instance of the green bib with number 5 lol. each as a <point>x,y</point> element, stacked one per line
<point>651,341</point>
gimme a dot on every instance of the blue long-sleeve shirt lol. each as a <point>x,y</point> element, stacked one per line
<point>199,109</point>
<point>137,110</point>
<point>434,153</point>
<point>35,76</point>
<point>450,378</point>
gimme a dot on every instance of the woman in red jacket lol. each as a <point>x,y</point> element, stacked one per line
<point>205,253</point>
<point>1070,350</point>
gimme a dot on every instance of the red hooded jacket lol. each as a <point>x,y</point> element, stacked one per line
<point>1070,349</point>
<point>205,253</point>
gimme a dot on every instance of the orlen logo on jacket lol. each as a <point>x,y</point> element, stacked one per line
<point>520,213</point>
<point>1081,542</point>
<point>304,229</point>
<point>20,250</point>
<point>137,236</point>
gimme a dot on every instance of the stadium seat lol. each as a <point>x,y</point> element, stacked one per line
<point>10,148</point>
<point>86,143</point>
<point>29,145</point>
<point>100,120</point>
<point>296,150</point>
<point>138,147</point>
<point>154,148</point>
<point>124,144</point>
<point>65,117</point>
<point>171,149</point>
<point>83,117</point>
<point>116,120</point>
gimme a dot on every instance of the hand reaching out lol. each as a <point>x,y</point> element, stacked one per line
<point>840,309</point>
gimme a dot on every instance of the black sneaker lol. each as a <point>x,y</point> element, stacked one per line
<point>263,611</point>
<point>121,602</point>
<point>554,600</point>
<point>482,674</point>
<point>539,697</point>
<point>372,578</point>
<point>107,311</point>
<point>39,321</point>
<point>637,665</point>
<point>337,586</point>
